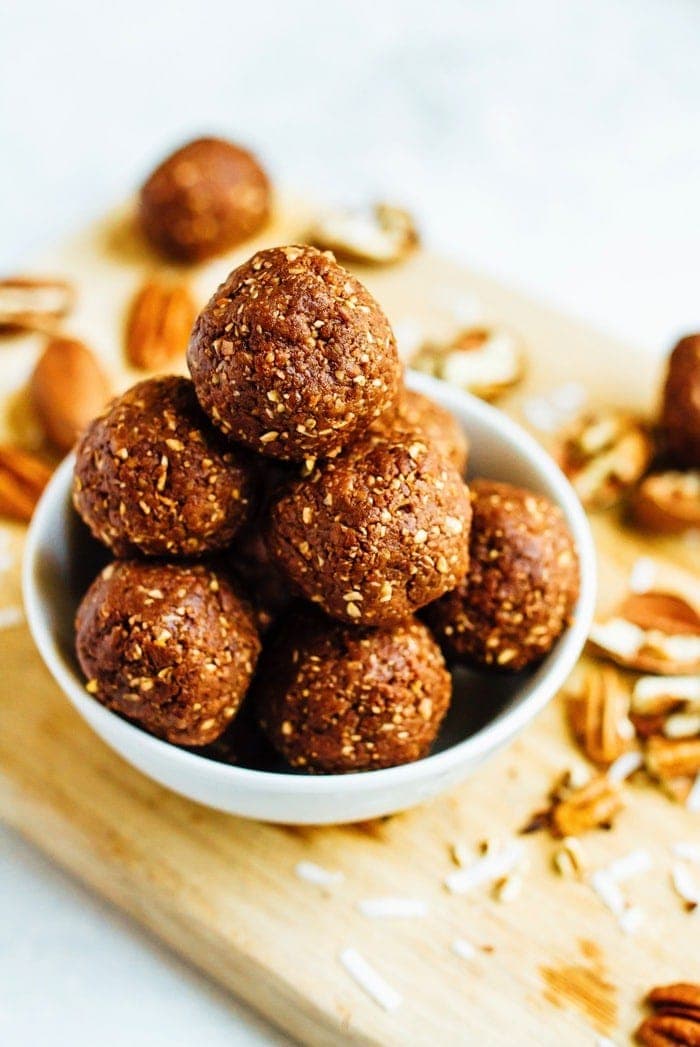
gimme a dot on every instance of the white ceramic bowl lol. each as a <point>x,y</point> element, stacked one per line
<point>59,564</point>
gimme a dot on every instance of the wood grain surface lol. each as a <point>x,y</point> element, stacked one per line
<point>552,967</point>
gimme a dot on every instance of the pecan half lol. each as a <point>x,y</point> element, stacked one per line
<point>22,479</point>
<point>676,1017</point>
<point>599,714</point>
<point>653,632</point>
<point>604,454</point>
<point>669,502</point>
<point>485,361</point>
<point>33,303</point>
<point>159,324</point>
<point>380,235</point>
<point>68,388</point>
<point>672,757</point>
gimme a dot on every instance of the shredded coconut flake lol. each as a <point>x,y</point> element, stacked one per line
<point>685,883</point>
<point>370,980</point>
<point>642,575</point>
<point>461,947</point>
<point>632,864</point>
<point>625,765</point>
<point>689,852</point>
<point>487,869</point>
<point>10,616</point>
<point>609,892</point>
<point>631,919</point>
<point>540,414</point>
<point>316,874</point>
<point>382,908</point>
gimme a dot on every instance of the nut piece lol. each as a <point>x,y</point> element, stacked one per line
<point>22,479</point>
<point>485,361</point>
<point>33,303</point>
<point>68,388</point>
<point>598,714</point>
<point>604,455</point>
<point>652,632</point>
<point>204,199</point>
<point>159,324</point>
<point>669,502</point>
<point>673,757</point>
<point>676,1017</point>
<point>593,805</point>
<point>680,411</point>
<point>379,235</point>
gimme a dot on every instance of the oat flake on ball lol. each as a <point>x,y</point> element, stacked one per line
<point>170,646</point>
<point>376,533</point>
<point>292,356</point>
<point>335,699</point>
<point>152,476</point>
<point>522,584</point>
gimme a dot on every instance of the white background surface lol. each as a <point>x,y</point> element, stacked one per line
<point>554,144</point>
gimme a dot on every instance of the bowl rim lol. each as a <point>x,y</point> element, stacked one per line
<point>488,738</point>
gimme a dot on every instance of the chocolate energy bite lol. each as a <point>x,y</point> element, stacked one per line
<point>205,198</point>
<point>680,415</point>
<point>292,356</point>
<point>374,534</point>
<point>416,413</point>
<point>152,476</point>
<point>334,699</point>
<point>522,583</point>
<point>170,646</point>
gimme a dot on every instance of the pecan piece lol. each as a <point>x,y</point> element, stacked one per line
<point>22,479</point>
<point>594,805</point>
<point>380,235</point>
<point>672,757</point>
<point>159,324</point>
<point>599,714</point>
<point>604,455</point>
<point>33,303</point>
<point>668,503</point>
<point>485,361</point>
<point>652,632</point>
<point>676,1017</point>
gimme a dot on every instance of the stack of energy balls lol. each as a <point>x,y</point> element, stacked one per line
<point>280,520</point>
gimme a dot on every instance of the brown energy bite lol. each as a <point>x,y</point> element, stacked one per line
<point>680,414</point>
<point>416,413</point>
<point>170,646</point>
<point>204,199</point>
<point>335,699</point>
<point>292,356</point>
<point>374,534</point>
<point>152,476</point>
<point>522,583</point>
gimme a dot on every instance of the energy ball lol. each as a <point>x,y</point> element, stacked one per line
<point>522,583</point>
<point>416,413</point>
<point>153,477</point>
<point>170,646</point>
<point>336,699</point>
<point>292,356</point>
<point>680,413</point>
<point>267,588</point>
<point>375,534</point>
<point>204,199</point>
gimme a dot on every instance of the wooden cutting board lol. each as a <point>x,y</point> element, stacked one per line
<point>552,967</point>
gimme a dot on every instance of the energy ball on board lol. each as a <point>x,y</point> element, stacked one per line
<point>522,584</point>
<point>419,414</point>
<point>334,699</point>
<point>206,198</point>
<point>375,534</point>
<point>153,477</point>
<point>292,356</point>
<point>680,415</point>
<point>170,646</point>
